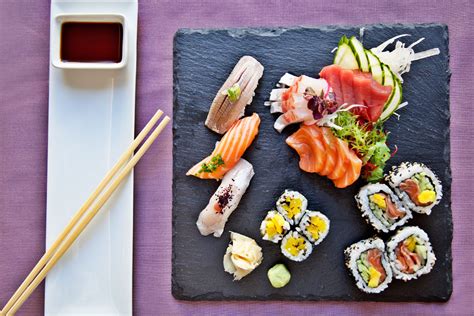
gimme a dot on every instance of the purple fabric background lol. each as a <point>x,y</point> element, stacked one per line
<point>24,58</point>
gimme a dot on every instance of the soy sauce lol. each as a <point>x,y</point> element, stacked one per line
<point>91,42</point>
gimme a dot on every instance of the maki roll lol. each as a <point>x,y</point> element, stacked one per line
<point>295,246</point>
<point>369,265</point>
<point>410,253</point>
<point>300,227</point>
<point>292,205</point>
<point>381,207</point>
<point>274,227</point>
<point>418,187</point>
<point>315,226</point>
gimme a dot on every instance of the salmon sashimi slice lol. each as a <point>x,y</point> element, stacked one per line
<point>356,87</point>
<point>322,152</point>
<point>329,142</point>
<point>352,168</point>
<point>230,149</point>
<point>321,158</point>
<point>309,147</point>
<point>339,168</point>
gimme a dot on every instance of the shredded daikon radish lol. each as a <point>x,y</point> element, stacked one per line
<point>400,59</point>
<point>361,33</point>
<point>402,105</point>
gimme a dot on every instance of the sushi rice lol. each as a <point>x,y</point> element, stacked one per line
<point>356,255</point>
<point>295,246</point>
<point>416,242</point>
<point>425,182</point>
<point>292,205</point>
<point>375,211</point>
<point>274,227</point>
<point>315,226</point>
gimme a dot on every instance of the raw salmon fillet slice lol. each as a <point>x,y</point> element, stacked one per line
<point>231,147</point>
<point>322,152</point>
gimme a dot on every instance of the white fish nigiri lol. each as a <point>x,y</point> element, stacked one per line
<point>226,199</point>
<point>226,109</point>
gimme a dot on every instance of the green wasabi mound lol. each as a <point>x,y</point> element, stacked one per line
<point>279,275</point>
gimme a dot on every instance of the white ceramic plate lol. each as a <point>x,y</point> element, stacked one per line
<point>91,122</point>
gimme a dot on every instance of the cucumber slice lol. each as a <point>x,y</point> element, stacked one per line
<point>422,251</point>
<point>359,52</point>
<point>393,102</point>
<point>388,77</point>
<point>345,57</point>
<point>375,66</point>
<point>365,276</point>
<point>343,40</point>
<point>341,50</point>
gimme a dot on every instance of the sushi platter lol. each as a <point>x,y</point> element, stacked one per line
<point>312,163</point>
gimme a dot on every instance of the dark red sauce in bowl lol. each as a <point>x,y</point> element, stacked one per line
<point>91,42</point>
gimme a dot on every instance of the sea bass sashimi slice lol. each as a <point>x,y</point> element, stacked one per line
<point>225,200</point>
<point>323,153</point>
<point>229,150</point>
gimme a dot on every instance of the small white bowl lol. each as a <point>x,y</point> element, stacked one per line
<point>56,40</point>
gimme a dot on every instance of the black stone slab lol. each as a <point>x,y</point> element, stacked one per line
<point>202,61</point>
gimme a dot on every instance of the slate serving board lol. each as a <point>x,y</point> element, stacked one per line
<point>202,61</point>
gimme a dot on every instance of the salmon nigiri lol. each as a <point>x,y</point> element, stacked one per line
<point>322,152</point>
<point>229,150</point>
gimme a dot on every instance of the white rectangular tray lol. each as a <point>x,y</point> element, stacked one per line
<point>91,122</point>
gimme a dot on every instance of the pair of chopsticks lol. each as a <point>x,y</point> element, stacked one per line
<point>85,214</point>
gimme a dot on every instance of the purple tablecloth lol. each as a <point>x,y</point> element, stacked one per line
<point>24,58</point>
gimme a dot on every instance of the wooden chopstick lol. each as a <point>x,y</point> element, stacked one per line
<point>61,245</point>
<point>74,220</point>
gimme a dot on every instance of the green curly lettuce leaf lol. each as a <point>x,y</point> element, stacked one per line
<point>368,141</point>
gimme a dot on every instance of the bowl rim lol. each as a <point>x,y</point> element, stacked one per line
<point>59,19</point>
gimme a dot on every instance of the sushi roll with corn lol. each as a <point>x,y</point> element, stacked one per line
<point>274,227</point>
<point>295,246</point>
<point>292,205</point>
<point>369,265</point>
<point>315,226</point>
<point>418,187</point>
<point>410,253</point>
<point>381,207</point>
